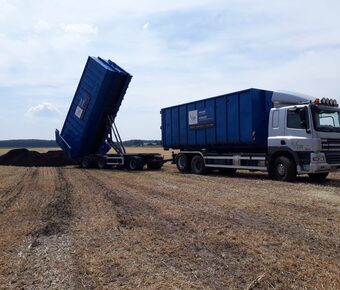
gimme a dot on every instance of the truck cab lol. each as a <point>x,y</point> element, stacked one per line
<point>303,136</point>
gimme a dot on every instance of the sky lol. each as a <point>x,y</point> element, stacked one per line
<point>177,51</point>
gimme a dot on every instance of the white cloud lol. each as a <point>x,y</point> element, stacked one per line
<point>79,28</point>
<point>43,110</point>
<point>146,26</point>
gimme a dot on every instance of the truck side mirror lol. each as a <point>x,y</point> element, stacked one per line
<point>304,119</point>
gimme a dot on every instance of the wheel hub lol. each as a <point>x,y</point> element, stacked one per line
<point>281,170</point>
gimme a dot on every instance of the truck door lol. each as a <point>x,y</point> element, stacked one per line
<point>297,130</point>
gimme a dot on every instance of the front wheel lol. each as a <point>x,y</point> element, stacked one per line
<point>197,165</point>
<point>318,177</point>
<point>283,169</point>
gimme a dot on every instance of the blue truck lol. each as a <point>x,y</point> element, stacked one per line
<point>281,133</point>
<point>89,131</point>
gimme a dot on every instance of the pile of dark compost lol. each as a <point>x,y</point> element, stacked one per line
<point>25,157</point>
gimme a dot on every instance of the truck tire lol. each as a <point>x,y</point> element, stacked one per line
<point>101,163</point>
<point>318,177</point>
<point>197,165</point>
<point>135,163</point>
<point>85,162</point>
<point>283,169</point>
<point>182,162</point>
<point>228,171</point>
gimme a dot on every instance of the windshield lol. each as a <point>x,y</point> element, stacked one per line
<point>326,119</point>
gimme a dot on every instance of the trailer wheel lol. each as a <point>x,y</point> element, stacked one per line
<point>85,162</point>
<point>318,177</point>
<point>101,162</point>
<point>197,165</point>
<point>283,169</point>
<point>182,162</point>
<point>135,163</point>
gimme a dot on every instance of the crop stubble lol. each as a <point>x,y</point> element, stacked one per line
<point>71,228</point>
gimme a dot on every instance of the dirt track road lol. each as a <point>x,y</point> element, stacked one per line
<point>69,228</point>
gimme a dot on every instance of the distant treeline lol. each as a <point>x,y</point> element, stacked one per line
<point>33,143</point>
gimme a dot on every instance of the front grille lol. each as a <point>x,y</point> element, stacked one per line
<point>331,148</point>
<point>330,144</point>
<point>332,157</point>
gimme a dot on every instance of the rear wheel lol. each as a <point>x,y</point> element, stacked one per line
<point>85,162</point>
<point>318,177</point>
<point>283,169</point>
<point>135,163</point>
<point>197,165</point>
<point>182,162</point>
<point>101,163</point>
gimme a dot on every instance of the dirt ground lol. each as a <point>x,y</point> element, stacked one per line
<point>70,228</point>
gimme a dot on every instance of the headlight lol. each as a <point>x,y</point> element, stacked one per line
<point>319,158</point>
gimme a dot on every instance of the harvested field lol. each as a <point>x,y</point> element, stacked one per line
<point>70,228</point>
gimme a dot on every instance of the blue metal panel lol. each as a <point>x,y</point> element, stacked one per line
<point>233,118</point>
<point>175,125</point>
<point>221,124</point>
<point>168,131</point>
<point>211,124</point>
<point>201,139</point>
<point>183,123</point>
<point>246,119</point>
<point>191,132</point>
<point>99,94</point>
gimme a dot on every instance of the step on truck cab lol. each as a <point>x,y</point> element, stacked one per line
<point>89,131</point>
<point>282,133</point>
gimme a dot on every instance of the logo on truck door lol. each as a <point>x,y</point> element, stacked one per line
<point>203,118</point>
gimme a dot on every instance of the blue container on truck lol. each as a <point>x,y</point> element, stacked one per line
<point>227,122</point>
<point>281,133</point>
<point>99,94</point>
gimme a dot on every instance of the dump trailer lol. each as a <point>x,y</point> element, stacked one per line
<point>89,131</point>
<point>281,133</point>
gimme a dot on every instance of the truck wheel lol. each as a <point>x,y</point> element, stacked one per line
<point>228,171</point>
<point>135,163</point>
<point>283,169</point>
<point>182,162</point>
<point>85,162</point>
<point>318,177</point>
<point>101,163</point>
<point>197,165</point>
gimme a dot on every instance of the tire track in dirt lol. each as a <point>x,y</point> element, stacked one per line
<point>44,259</point>
<point>240,217</point>
<point>92,231</point>
<point>58,213</point>
<point>176,243</point>
<point>276,235</point>
<point>9,195</point>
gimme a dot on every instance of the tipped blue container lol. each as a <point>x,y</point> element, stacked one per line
<point>237,120</point>
<point>100,92</point>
